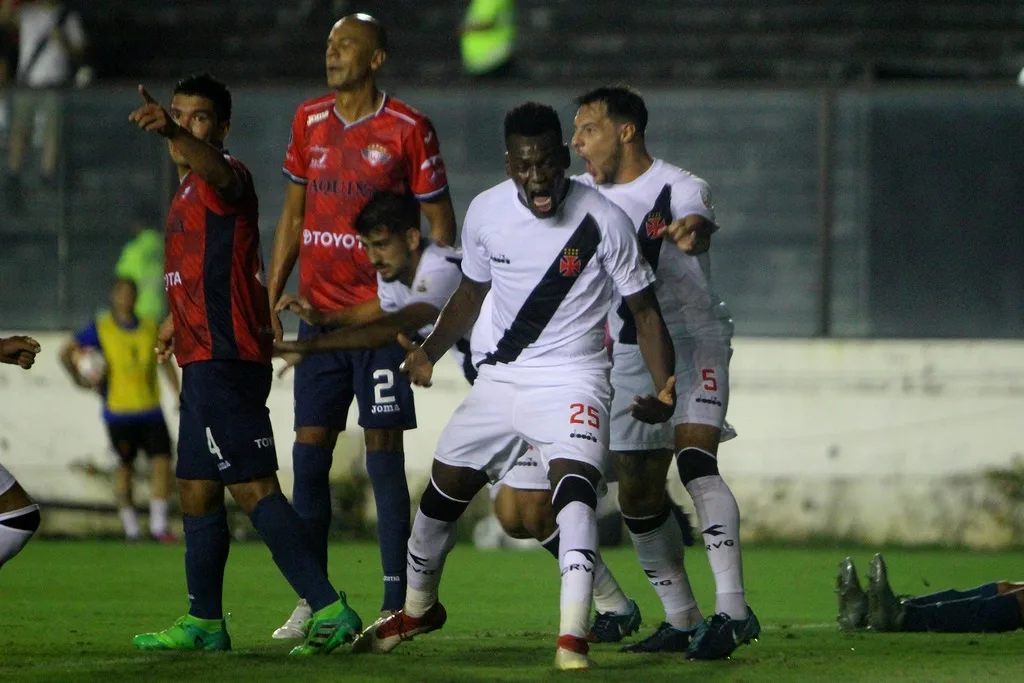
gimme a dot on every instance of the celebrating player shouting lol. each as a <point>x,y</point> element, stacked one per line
<point>551,252</point>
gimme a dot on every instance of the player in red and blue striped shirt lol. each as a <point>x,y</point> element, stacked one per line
<point>219,330</point>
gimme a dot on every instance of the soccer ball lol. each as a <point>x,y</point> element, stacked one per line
<point>90,364</point>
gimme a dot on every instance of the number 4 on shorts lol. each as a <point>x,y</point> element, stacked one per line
<point>222,464</point>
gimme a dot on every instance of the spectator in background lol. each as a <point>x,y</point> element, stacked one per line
<point>142,260</point>
<point>52,42</point>
<point>488,36</point>
<point>8,56</point>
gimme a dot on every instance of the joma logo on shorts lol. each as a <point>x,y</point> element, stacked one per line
<point>378,409</point>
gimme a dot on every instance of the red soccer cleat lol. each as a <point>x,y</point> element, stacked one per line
<point>387,633</point>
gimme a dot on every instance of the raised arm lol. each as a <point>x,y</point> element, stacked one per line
<point>205,160</point>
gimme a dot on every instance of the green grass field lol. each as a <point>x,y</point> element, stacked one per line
<point>68,611</point>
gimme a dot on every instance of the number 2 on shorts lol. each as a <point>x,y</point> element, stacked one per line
<point>593,417</point>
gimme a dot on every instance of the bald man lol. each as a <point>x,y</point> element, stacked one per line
<point>345,146</point>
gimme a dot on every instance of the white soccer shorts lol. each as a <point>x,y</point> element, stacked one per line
<point>702,393</point>
<point>528,473</point>
<point>6,480</point>
<point>567,417</point>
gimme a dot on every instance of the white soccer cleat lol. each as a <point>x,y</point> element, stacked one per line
<point>295,627</point>
<point>572,654</point>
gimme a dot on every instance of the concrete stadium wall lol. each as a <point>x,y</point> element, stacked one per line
<point>877,441</point>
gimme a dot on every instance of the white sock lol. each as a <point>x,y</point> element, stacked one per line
<point>12,539</point>
<point>130,521</point>
<point>660,551</point>
<point>157,516</point>
<point>719,518</point>
<point>577,553</point>
<point>429,544</point>
<point>608,595</point>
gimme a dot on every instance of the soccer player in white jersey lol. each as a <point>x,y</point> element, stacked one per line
<point>553,253</point>
<point>19,516</point>
<point>672,213</point>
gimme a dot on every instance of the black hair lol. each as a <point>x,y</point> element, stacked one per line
<point>533,119</point>
<point>622,101</point>
<point>392,210</point>
<point>205,85</point>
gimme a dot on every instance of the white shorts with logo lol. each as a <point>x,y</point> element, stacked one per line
<point>528,473</point>
<point>565,417</point>
<point>6,480</point>
<point>702,393</point>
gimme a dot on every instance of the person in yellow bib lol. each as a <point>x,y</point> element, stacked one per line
<point>488,38</point>
<point>131,401</point>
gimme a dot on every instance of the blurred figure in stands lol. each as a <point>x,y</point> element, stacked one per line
<point>52,42</point>
<point>488,37</point>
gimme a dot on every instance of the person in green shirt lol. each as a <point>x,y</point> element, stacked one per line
<point>142,260</point>
<point>488,36</point>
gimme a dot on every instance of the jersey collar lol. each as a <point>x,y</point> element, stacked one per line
<point>383,103</point>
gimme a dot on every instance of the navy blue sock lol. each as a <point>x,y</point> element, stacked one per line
<point>207,541</point>
<point>985,590</point>
<point>996,614</point>
<point>311,494</point>
<point>391,493</point>
<point>281,529</point>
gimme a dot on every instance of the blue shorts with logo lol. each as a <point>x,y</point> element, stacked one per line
<point>326,383</point>
<point>224,431</point>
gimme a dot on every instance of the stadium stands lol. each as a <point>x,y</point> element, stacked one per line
<point>678,41</point>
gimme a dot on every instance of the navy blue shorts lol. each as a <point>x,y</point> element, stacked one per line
<point>326,383</point>
<point>224,432</point>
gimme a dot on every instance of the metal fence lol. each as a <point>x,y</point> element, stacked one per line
<point>889,213</point>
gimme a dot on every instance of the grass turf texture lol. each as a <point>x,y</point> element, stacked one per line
<point>68,611</point>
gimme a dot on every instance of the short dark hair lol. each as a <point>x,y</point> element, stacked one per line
<point>392,210</point>
<point>622,101</point>
<point>205,85</point>
<point>532,119</point>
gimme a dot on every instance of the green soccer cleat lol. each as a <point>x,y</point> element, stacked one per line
<point>885,612</point>
<point>329,628</point>
<point>853,602</point>
<point>188,633</point>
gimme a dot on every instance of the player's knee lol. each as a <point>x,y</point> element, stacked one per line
<point>573,488</point>
<point>199,497</point>
<point>321,437</point>
<point>440,506</point>
<point>695,463</point>
<point>387,440</point>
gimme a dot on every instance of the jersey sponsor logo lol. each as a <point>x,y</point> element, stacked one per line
<point>376,154</point>
<point>347,188</point>
<point>500,258</point>
<point>570,265</point>
<point>172,280</point>
<point>264,442</point>
<point>318,156</point>
<point>330,239</point>
<point>654,225</point>
<point>317,117</point>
